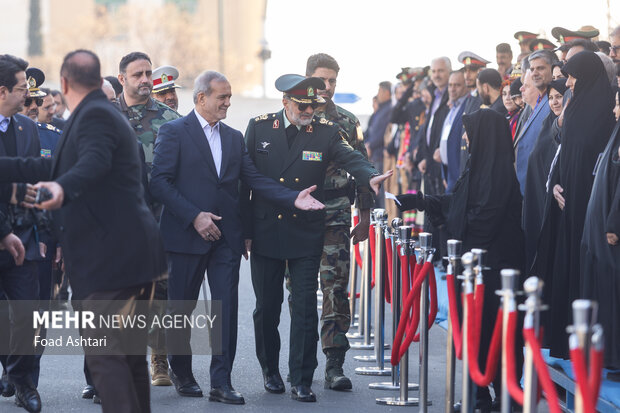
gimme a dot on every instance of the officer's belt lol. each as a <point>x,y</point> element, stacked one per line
<point>336,193</point>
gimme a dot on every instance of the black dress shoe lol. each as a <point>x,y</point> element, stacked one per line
<point>88,392</point>
<point>186,387</point>
<point>302,394</point>
<point>226,394</point>
<point>6,389</point>
<point>274,383</point>
<point>28,397</point>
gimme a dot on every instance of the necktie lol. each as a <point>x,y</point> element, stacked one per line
<point>291,132</point>
<point>4,124</point>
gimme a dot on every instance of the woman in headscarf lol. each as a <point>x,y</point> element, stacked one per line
<point>538,167</point>
<point>587,122</point>
<point>511,107</point>
<point>600,259</point>
<point>484,211</point>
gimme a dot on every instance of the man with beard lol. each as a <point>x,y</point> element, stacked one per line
<point>614,50</point>
<point>340,191</point>
<point>164,88</point>
<point>489,85</point>
<point>503,56</point>
<point>295,148</point>
<point>34,100</point>
<point>146,115</point>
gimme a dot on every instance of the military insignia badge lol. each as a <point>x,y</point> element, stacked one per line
<point>32,83</point>
<point>309,129</point>
<point>276,123</point>
<point>265,144</point>
<point>310,91</point>
<point>20,128</point>
<point>312,156</point>
<point>46,153</point>
<point>468,61</point>
<point>164,78</point>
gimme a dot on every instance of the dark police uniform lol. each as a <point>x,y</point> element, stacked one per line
<point>283,237</point>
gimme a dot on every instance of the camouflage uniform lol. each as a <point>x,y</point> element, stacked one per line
<point>335,262</point>
<point>146,120</point>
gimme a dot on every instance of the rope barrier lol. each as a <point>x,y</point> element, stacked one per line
<point>358,255</point>
<point>388,276</point>
<point>541,368</point>
<point>473,349</point>
<point>433,304</point>
<point>454,317</point>
<point>513,386</point>
<point>371,239</point>
<point>589,383</point>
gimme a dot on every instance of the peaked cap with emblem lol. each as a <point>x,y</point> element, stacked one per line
<point>472,59</point>
<point>523,36</point>
<point>164,78</point>
<point>564,35</point>
<point>407,74</point>
<point>301,89</point>
<point>35,78</point>
<point>541,44</point>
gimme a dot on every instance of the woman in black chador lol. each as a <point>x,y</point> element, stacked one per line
<point>587,125</point>
<point>484,211</point>
<point>600,249</point>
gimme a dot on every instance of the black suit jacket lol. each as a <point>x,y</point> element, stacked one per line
<point>186,182</point>
<point>427,150</point>
<point>109,237</point>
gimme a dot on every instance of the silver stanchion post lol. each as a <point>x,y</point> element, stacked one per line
<point>533,306</point>
<point>584,317</point>
<point>509,281</point>
<point>379,344</point>
<point>454,255</point>
<point>364,318</point>
<point>467,388</point>
<point>352,287</point>
<point>396,293</point>
<point>426,255</point>
<point>406,248</point>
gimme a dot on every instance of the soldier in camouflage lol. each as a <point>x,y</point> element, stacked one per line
<point>146,115</point>
<point>340,193</point>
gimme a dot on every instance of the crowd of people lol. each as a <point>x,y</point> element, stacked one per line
<point>521,160</point>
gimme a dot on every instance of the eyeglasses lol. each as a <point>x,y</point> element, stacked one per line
<point>38,101</point>
<point>304,106</point>
<point>615,49</point>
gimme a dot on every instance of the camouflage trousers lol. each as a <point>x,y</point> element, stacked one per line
<point>156,335</point>
<point>334,280</point>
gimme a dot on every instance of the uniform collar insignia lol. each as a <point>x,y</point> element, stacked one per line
<point>265,144</point>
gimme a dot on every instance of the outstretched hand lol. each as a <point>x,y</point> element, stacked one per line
<point>14,246</point>
<point>307,202</point>
<point>58,195</point>
<point>376,181</point>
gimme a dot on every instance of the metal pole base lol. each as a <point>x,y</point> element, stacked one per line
<point>354,325</point>
<point>372,359</point>
<point>388,385</point>
<point>397,401</point>
<point>362,346</point>
<point>357,336</point>
<point>373,371</point>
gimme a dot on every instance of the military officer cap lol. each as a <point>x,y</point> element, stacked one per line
<point>164,77</point>
<point>470,59</point>
<point>301,89</point>
<point>564,35</point>
<point>35,79</point>
<point>525,36</point>
<point>541,44</point>
<point>409,74</point>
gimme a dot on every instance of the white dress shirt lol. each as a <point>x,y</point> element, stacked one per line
<point>212,133</point>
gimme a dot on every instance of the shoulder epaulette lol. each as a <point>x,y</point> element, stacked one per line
<point>264,117</point>
<point>48,126</point>
<point>324,121</point>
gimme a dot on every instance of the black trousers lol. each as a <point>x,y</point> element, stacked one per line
<point>186,272</point>
<point>267,280</point>
<point>119,370</point>
<point>20,284</point>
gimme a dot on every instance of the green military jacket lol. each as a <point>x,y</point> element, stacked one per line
<point>277,232</point>
<point>146,120</point>
<point>338,185</point>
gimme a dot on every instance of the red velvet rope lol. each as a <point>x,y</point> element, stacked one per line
<point>371,239</point>
<point>479,302</point>
<point>513,386</point>
<point>397,348</point>
<point>432,283</point>
<point>473,339</point>
<point>388,276</point>
<point>454,317</point>
<point>596,368</point>
<point>541,369</point>
<point>358,255</point>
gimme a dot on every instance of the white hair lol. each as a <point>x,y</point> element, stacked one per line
<point>203,82</point>
<point>106,85</point>
<point>610,66</point>
<point>444,59</point>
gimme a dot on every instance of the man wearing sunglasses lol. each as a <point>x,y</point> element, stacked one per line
<point>295,148</point>
<point>34,99</point>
